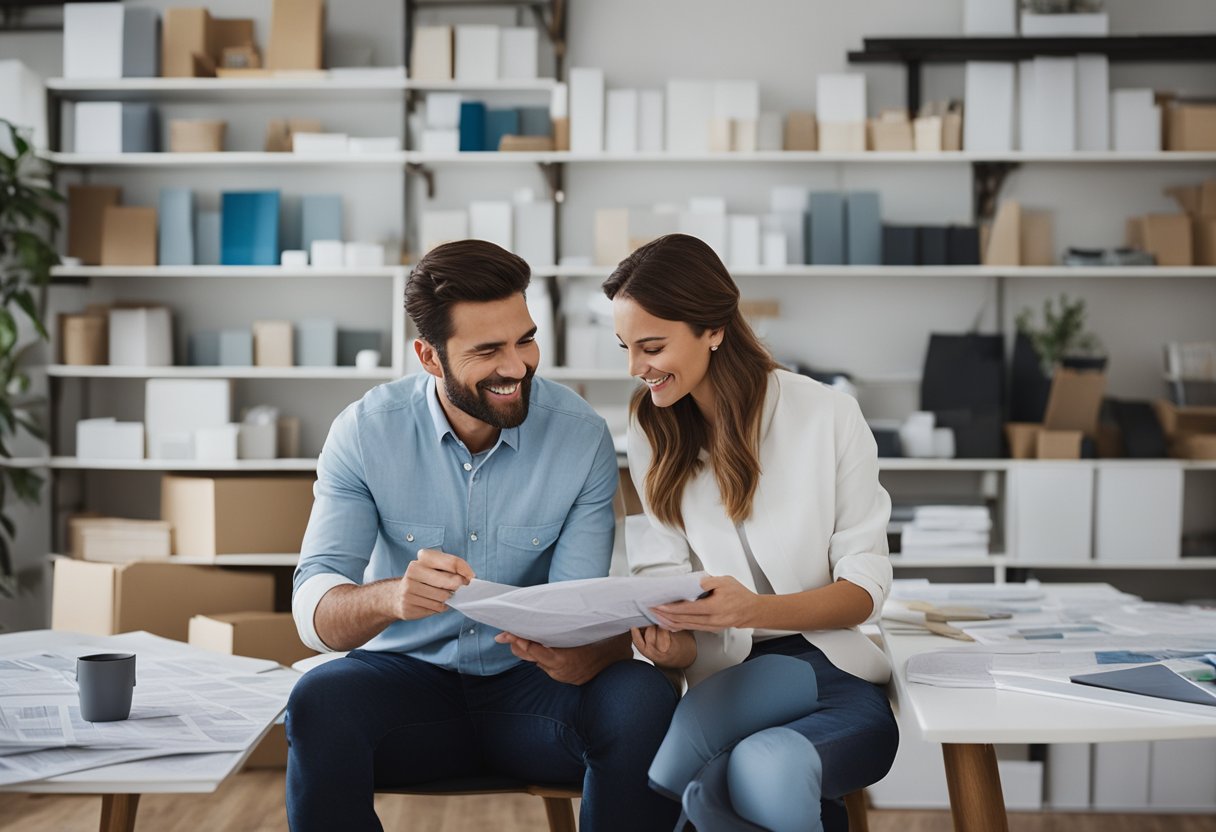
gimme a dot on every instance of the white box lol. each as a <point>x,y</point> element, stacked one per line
<point>92,40</point>
<point>1093,103</point>
<point>581,347</point>
<point>141,337</point>
<point>443,110</point>
<point>988,104</point>
<point>1067,786</point>
<point>1064,25</point>
<point>293,259</point>
<point>737,100</point>
<point>362,255</point>
<point>1028,122</point>
<point>788,198</point>
<point>990,17</point>
<point>559,101</point>
<point>171,446</point>
<point>708,227</point>
<point>476,53</point>
<point>1138,511</point>
<point>744,241</point>
<point>109,439</point>
<point>650,121</point>
<point>1183,775</point>
<point>328,254</point>
<point>1121,775</point>
<point>373,144</point>
<point>770,132</point>
<point>183,406</point>
<point>437,227</point>
<point>22,102</point>
<point>774,253</point>
<point>518,53</point>
<point>1055,101</point>
<point>440,141</point>
<point>690,109</point>
<point>540,307</point>
<point>1135,121</point>
<point>586,110</point>
<point>840,98</point>
<point>431,56</point>
<point>491,221</point>
<point>320,144</point>
<point>621,133</point>
<point>98,127</point>
<point>256,441</point>
<point>218,444</point>
<point>534,240</point>
<point>1050,511</point>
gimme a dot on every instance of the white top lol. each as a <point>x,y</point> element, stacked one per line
<point>819,516</point>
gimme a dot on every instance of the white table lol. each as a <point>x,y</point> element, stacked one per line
<point>967,721</point>
<point>122,784</point>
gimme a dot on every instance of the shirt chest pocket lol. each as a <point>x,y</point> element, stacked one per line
<point>534,539</point>
<point>409,537</point>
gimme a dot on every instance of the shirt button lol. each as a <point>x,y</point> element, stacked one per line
<point>536,541</point>
<point>470,631</point>
<point>409,538</point>
<point>468,467</point>
<point>473,536</point>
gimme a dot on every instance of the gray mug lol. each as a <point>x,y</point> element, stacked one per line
<point>106,681</point>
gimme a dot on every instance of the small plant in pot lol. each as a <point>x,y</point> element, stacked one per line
<point>1061,341</point>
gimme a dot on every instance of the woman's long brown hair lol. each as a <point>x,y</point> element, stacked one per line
<point>680,278</point>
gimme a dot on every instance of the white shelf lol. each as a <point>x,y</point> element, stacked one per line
<point>1182,564</point>
<point>900,562</point>
<point>803,157</point>
<point>267,373</point>
<point>886,463</point>
<point>518,85</point>
<point>71,463</point>
<point>241,272</point>
<point>196,89</point>
<point>227,159</point>
<point>1039,272</point>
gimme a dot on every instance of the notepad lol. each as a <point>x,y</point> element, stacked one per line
<point>1150,680</point>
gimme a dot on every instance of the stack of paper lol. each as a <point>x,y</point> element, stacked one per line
<point>947,531</point>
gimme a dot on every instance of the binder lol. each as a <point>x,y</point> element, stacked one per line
<point>1150,680</point>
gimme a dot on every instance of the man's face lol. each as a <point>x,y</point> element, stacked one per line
<point>490,359</point>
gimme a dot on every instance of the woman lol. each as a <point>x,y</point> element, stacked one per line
<point>768,481</point>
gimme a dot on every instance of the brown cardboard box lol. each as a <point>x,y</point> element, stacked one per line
<point>1134,233</point>
<point>431,54</point>
<point>719,135</point>
<point>561,134</point>
<point>107,598</point>
<point>1168,238</point>
<point>1188,197</point>
<point>118,539</point>
<point>223,515</point>
<point>279,132</point>
<point>525,144</point>
<point>1191,431</point>
<point>196,135</point>
<point>1023,438</point>
<point>1191,127</point>
<point>842,138</point>
<point>273,344</point>
<point>259,635</point>
<point>1074,401</point>
<point>84,339</point>
<point>927,134</point>
<point>1037,239</point>
<point>1005,240</point>
<point>297,30</point>
<point>952,130</point>
<point>1205,241</point>
<point>230,33</point>
<point>185,33</point>
<point>1207,198</point>
<point>86,207</point>
<point>1058,444</point>
<point>801,131</point>
<point>1109,441</point>
<point>891,134</point>
<point>128,236</point>
<point>287,437</point>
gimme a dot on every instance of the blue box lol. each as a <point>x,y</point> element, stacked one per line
<point>140,42</point>
<point>204,348</point>
<point>500,123</point>
<point>316,342</point>
<point>236,348</point>
<point>863,229</point>
<point>140,128</point>
<point>320,219</point>
<point>827,229</point>
<point>472,126</point>
<point>175,228</point>
<point>207,238</point>
<point>250,232</point>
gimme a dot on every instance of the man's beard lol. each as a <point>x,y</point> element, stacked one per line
<point>476,401</point>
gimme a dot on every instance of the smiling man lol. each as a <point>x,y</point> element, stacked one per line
<point>473,468</point>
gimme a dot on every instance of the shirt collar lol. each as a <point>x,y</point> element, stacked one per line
<point>443,427</point>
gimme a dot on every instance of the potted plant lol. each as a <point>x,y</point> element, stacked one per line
<point>28,223</point>
<point>1062,341</point>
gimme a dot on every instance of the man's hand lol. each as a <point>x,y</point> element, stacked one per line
<point>729,604</point>
<point>572,665</point>
<point>428,583</point>
<point>675,651</point>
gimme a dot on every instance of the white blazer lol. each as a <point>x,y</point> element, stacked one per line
<point>819,515</point>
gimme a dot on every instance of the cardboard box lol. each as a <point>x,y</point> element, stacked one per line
<point>1191,431</point>
<point>83,339</point>
<point>104,599</point>
<point>287,437</point>
<point>1004,246</point>
<point>1168,238</point>
<point>196,135</point>
<point>258,635</point>
<point>117,539</point>
<point>273,344</point>
<point>1058,444</point>
<point>140,337</point>
<point>842,138</point>
<point>1191,127</point>
<point>1037,243</point>
<point>186,33</point>
<point>1205,241</point>
<point>128,236</point>
<point>86,209</point>
<point>927,134</point>
<point>230,33</point>
<point>1023,439</point>
<point>236,515</point>
<point>280,132</point>
<point>297,29</point>
<point>431,53</point>
<point>1074,401</point>
<point>891,134</point>
<point>256,441</point>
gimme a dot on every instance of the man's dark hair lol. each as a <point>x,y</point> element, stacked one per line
<point>467,270</point>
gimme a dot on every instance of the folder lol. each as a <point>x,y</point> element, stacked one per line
<point>473,127</point>
<point>827,229</point>
<point>249,235</point>
<point>1151,680</point>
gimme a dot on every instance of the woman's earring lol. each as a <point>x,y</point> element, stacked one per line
<point>714,348</point>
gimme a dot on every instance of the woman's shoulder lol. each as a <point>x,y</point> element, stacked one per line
<point>795,390</point>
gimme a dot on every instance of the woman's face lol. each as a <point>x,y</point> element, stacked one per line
<point>665,355</point>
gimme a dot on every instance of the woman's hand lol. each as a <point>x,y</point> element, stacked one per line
<point>665,648</point>
<point>729,604</point>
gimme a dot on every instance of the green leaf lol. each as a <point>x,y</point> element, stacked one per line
<point>26,301</point>
<point>8,331</point>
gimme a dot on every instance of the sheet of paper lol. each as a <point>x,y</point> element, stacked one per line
<point>573,613</point>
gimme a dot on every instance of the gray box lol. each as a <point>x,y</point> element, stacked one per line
<point>175,227</point>
<point>236,348</point>
<point>827,229</point>
<point>535,121</point>
<point>204,348</point>
<point>320,219</point>
<point>140,128</point>
<point>207,238</point>
<point>351,341</point>
<point>863,226</point>
<point>140,42</point>
<point>316,342</point>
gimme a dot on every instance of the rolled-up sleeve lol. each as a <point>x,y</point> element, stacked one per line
<point>584,547</point>
<point>342,528</point>
<point>858,550</point>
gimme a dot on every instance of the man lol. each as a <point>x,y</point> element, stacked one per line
<point>471,469</point>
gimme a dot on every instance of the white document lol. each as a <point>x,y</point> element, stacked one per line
<point>573,613</point>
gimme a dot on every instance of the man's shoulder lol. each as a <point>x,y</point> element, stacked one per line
<point>399,398</point>
<point>553,403</point>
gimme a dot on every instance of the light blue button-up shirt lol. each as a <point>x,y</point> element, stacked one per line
<point>393,478</point>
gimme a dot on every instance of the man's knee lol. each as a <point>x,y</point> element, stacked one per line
<point>631,694</point>
<point>316,700</point>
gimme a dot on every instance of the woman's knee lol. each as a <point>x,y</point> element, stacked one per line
<point>775,778</point>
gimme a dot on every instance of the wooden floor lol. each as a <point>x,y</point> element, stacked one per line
<point>253,802</point>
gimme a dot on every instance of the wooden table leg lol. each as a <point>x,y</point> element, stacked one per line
<point>976,800</point>
<point>118,812</point>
